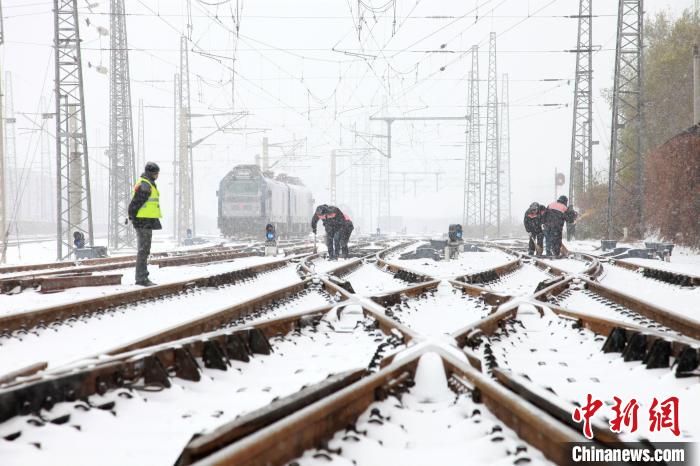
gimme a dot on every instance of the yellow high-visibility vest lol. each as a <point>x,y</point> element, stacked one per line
<point>151,208</point>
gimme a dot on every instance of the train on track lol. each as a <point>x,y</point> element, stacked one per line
<point>249,199</point>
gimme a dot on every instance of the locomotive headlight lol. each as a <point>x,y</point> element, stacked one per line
<point>270,233</point>
<point>455,232</point>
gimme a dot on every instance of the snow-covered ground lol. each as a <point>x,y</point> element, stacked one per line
<point>688,268</point>
<point>428,425</point>
<point>152,427</point>
<point>98,333</point>
<point>468,263</point>
<point>682,300</point>
<point>440,312</point>
<point>569,361</point>
<point>441,428</point>
<point>521,282</point>
<point>44,250</point>
<point>30,299</point>
<point>587,302</point>
<point>568,265</point>
<point>369,280</point>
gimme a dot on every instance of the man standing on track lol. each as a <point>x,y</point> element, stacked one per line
<point>534,216</point>
<point>333,219</point>
<point>144,213</point>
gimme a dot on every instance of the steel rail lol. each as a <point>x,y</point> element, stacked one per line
<point>44,316</point>
<point>288,438</point>
<point>670,319</point>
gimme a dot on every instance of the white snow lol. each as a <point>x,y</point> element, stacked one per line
<point>467,263</point>
<point>687,268</point>
<point>369,280</point>
<point>567,264</point>
<point>684,301</point>
<point>408,430</point>
<point>30,299</point>
<point>439,312</point>
<point>571,362</point>
<point>93,334</point>
<point>521,282</point>
<point>152,428</point>
<point>590,303</point>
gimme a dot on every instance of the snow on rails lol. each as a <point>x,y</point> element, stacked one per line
<point>305,361</point>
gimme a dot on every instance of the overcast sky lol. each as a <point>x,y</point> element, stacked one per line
<point>305,72</point>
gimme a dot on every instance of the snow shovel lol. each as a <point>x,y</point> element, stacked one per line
<point>315,247</point>
<point>564,251</point>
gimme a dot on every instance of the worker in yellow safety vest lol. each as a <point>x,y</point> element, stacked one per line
<point>144,213</point>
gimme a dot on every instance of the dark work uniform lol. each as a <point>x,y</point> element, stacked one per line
<point>533,226</point>
<point>345,232</point>
<point>333,222</point>
<point>144,227</point>
<point>555,217</point>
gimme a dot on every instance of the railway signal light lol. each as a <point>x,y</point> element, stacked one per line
<point>455,232</point>
<point>270,234</point>
<point>270,240</point>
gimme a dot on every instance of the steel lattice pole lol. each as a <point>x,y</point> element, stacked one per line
<point>74,205</point>
<point>492,208</point>
<point>581,166</point>
<point>504,152</point>
<point>121,135</point>
<point>185,204</point>
<point>625,168</point>
<point>472,188</point>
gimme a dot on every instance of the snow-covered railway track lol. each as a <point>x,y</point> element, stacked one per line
<point>94,264</point>
<point>44,317</point>
<point>373,420</point>
<point>434,308</point>
<point>658,272</point>
<point>545,356</point>
<point>171,316</point>
<point>186,387</point>
<point>576,292</point>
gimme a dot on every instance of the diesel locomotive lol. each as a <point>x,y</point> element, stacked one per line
<point>249,199</point>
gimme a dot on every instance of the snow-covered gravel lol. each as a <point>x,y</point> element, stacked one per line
<point>30,299</point>
<point>152,428</point>
<point>588,302</point>
<point>676,267</point>
<point>522,281</point>
<point>101,332</point>
<point>439,312</point>
<point>468,263</point>
<point>428,425</point>
<point>571,362</point>
<point>324,265</point>
<point>568,265</point>
<point>682,300</point>
<point>369,280</point>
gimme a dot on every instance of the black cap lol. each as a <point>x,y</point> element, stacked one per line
<point>322,209</point>
<point>534,207</point>
<point>152,167</point>
<point>563,199</point>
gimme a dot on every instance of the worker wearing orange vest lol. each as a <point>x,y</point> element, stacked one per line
<point>144,213</point>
